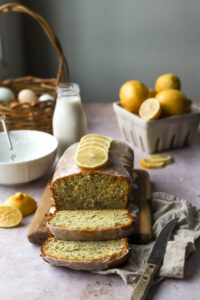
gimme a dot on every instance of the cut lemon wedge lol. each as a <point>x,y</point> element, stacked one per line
<point>150,109</point>
<point>166,158</point>
<point>9,216</point>
<point>91,157</point>
<point>145,163</point>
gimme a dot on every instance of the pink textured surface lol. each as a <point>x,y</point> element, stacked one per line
<point>24,275</point>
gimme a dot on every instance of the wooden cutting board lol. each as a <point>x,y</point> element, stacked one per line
<point>141,198</point>
<point>38,231</point>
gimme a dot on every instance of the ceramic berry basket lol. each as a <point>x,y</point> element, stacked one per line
<point>158,135</point>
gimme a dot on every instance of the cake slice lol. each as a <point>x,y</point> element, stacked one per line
<point>92,255</point>
<point>108,187</point>
<point>88,225</point>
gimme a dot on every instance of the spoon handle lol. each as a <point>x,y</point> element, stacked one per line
<point>3,122</point>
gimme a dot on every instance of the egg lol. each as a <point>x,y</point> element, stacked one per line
<point>46,97</point>
<point>6,94</point>
<point>27,96</point>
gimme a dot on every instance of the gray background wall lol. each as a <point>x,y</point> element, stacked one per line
<point>11,45</point>
<point>110,41</point>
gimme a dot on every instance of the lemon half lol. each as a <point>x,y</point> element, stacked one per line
<point>25,203</point>
<point>150,109</point>
<point>9,216</point>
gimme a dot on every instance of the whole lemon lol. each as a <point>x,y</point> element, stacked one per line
<point>151,93</point>
<point>167,81</point>
<point>132,94</point>
<point>25,203</point>
<point>173,102</point>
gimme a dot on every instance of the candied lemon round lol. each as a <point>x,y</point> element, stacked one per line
<point>92,143</point>
<point>95,136</point>
<point>91,157</point>
<point>145,163</point>
<point>9,216</point>
<point>150,109</point>
<point>166,158</point>
<point>96,140</point>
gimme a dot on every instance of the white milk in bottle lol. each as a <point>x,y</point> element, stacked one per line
<point>69,120</point>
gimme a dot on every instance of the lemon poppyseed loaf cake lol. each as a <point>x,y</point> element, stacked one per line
<point>108,187</point>
<point>88,225</point>
<point>92,255</point>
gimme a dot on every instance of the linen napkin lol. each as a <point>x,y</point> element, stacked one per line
<point>165,207</point>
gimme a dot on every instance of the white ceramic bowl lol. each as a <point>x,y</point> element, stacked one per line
<point>35,153</point>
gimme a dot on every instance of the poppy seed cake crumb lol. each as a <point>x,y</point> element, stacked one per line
<point>90,191</point>
<point>108,187</point>
<point>91,219</point>
<point>92,250</point>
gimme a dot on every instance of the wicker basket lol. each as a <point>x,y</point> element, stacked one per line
<point>38,116</point>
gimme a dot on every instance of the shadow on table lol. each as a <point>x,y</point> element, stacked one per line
<point>192,266</point>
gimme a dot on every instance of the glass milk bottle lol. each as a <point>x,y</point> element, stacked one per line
<point>69,120</point>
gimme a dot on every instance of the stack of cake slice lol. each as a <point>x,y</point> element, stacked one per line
<point>89,228</point>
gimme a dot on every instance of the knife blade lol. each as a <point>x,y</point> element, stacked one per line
<point>153,262</point>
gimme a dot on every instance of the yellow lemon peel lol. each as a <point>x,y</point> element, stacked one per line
<point>9,216</point>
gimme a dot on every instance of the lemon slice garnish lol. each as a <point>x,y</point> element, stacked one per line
<point>92,143</point>
<point>160,158</point>
<point>9,216</point>
<point>150,109</point>
<point>91,157</point>
<point>96,136</point>
<point>96,140</point>
<point>145,163</point>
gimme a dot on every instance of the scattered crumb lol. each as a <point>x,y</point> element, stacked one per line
<point>110,283</point>
<point>176,287</point>
<point>97,291</point>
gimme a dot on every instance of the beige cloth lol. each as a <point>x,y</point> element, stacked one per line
<point>165,207</point>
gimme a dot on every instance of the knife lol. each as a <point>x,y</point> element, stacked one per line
<point>153,262</point>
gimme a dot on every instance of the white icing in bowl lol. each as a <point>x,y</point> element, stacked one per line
<point>35,153</point>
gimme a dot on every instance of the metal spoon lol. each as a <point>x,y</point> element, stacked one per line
<point>3,122</point>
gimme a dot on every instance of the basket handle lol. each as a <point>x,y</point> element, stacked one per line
<point>63,69</point>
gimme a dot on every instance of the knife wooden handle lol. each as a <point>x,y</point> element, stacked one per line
<point>144,282</point>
